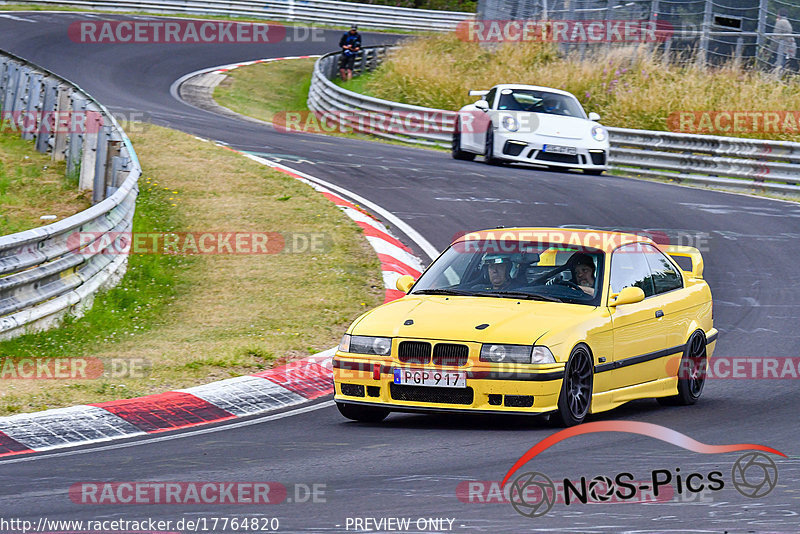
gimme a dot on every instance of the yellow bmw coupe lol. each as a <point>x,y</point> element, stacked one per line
<point>534,321</point>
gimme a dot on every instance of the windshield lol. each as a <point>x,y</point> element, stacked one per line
<point>521,270</point>
<point>539,102</point>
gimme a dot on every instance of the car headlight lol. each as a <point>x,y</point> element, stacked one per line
<point>510,123</point>
<point>599,133</point>
<point>515,354</point>
<point>380,346</point>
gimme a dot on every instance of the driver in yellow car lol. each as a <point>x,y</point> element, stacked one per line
<point>499,269</point>
<point>583,272</point>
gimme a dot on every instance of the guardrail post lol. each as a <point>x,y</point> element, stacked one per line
<point>89,154</point>
<point>33,106</point>
<point>113,163</point>
<point>11,88</point>
<point>4,61</point>
<point>63,110</point>
<point>18,103</point>
<point>49,120</point>
<point>75,140</point>
<point>100,162</point>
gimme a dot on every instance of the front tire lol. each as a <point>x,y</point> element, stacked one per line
<point>593,172</point>
<point>455,150</point>
<point>691,372</point>
<point>365,414</point>
<point>488,152</point>
<point>575,399</point>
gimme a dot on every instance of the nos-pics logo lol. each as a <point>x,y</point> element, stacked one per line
<point>533,494</point>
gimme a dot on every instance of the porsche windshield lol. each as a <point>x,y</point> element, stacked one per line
<point>520,270</point>
<point>539,102</point>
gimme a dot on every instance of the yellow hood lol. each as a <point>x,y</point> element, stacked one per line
<point>456,318</point>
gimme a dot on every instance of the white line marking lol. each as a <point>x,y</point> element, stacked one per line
<point>168,437</point>
<point>398,223</point>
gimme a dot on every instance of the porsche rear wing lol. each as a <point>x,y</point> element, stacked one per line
<point>478,93</point>
<point>681,253</point>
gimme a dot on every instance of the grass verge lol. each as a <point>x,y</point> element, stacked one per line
<point>263,89</point>
<point>32,185</point>
<point>194,319</point>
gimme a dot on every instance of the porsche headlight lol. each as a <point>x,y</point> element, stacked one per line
<point>599,133</point>
<point>510,123</point>
<point>380,346</point>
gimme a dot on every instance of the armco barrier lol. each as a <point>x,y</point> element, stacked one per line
<point>43,272</point>
<point>318,11</point>
<point>729,162</point>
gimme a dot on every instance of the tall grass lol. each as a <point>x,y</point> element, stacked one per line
<point>628,87</point>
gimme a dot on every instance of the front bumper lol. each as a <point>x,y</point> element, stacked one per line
<point>511,147</point>
<point>489,390</point>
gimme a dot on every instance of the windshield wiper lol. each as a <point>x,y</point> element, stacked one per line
<point>441,292</point>
<point>518,295</point>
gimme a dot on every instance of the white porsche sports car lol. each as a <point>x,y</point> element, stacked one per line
<point>530,124</point>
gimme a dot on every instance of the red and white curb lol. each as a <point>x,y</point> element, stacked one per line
<point>274,389</point>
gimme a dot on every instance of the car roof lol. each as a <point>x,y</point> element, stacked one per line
<point>603,240</point>
<point>533,88</point>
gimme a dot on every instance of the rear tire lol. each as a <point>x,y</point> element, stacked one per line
<point>575,400</point>
<point>365,414</point>
<point>691,372</point>
<point>593,172</point>
<point>455,149</point>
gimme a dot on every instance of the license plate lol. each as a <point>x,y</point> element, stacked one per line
<point>559,149</point>
<point>430,377</point>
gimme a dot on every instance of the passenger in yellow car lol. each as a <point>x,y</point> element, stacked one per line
<point>583,272</point>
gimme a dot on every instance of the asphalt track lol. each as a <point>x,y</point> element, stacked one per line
<point>410,466</point>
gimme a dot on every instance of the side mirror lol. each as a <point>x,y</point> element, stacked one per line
<point>483,105</point>
<point>405,282</point>
<point>629,295</point>
<point>594,116</point>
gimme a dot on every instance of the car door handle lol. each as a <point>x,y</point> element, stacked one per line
<point>659,314</point>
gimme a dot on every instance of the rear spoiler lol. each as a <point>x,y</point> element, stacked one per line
<point>478,93</point>
<point>682,252</point>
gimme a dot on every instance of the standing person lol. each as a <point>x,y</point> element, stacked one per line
<point>350,44</point>
<point>785,48</point>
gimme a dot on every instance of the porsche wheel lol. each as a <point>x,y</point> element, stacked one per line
<point>691,372</point>
<point>593,172</point>
<point>575,399</point>
<point>488,152</point>
<point>456,151</point>
<point>365,414</point>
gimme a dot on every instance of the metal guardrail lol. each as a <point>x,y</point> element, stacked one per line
<point>432,127</point>
<point>319,11</point>
<point>56,269</point>
<point>729,162</point>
